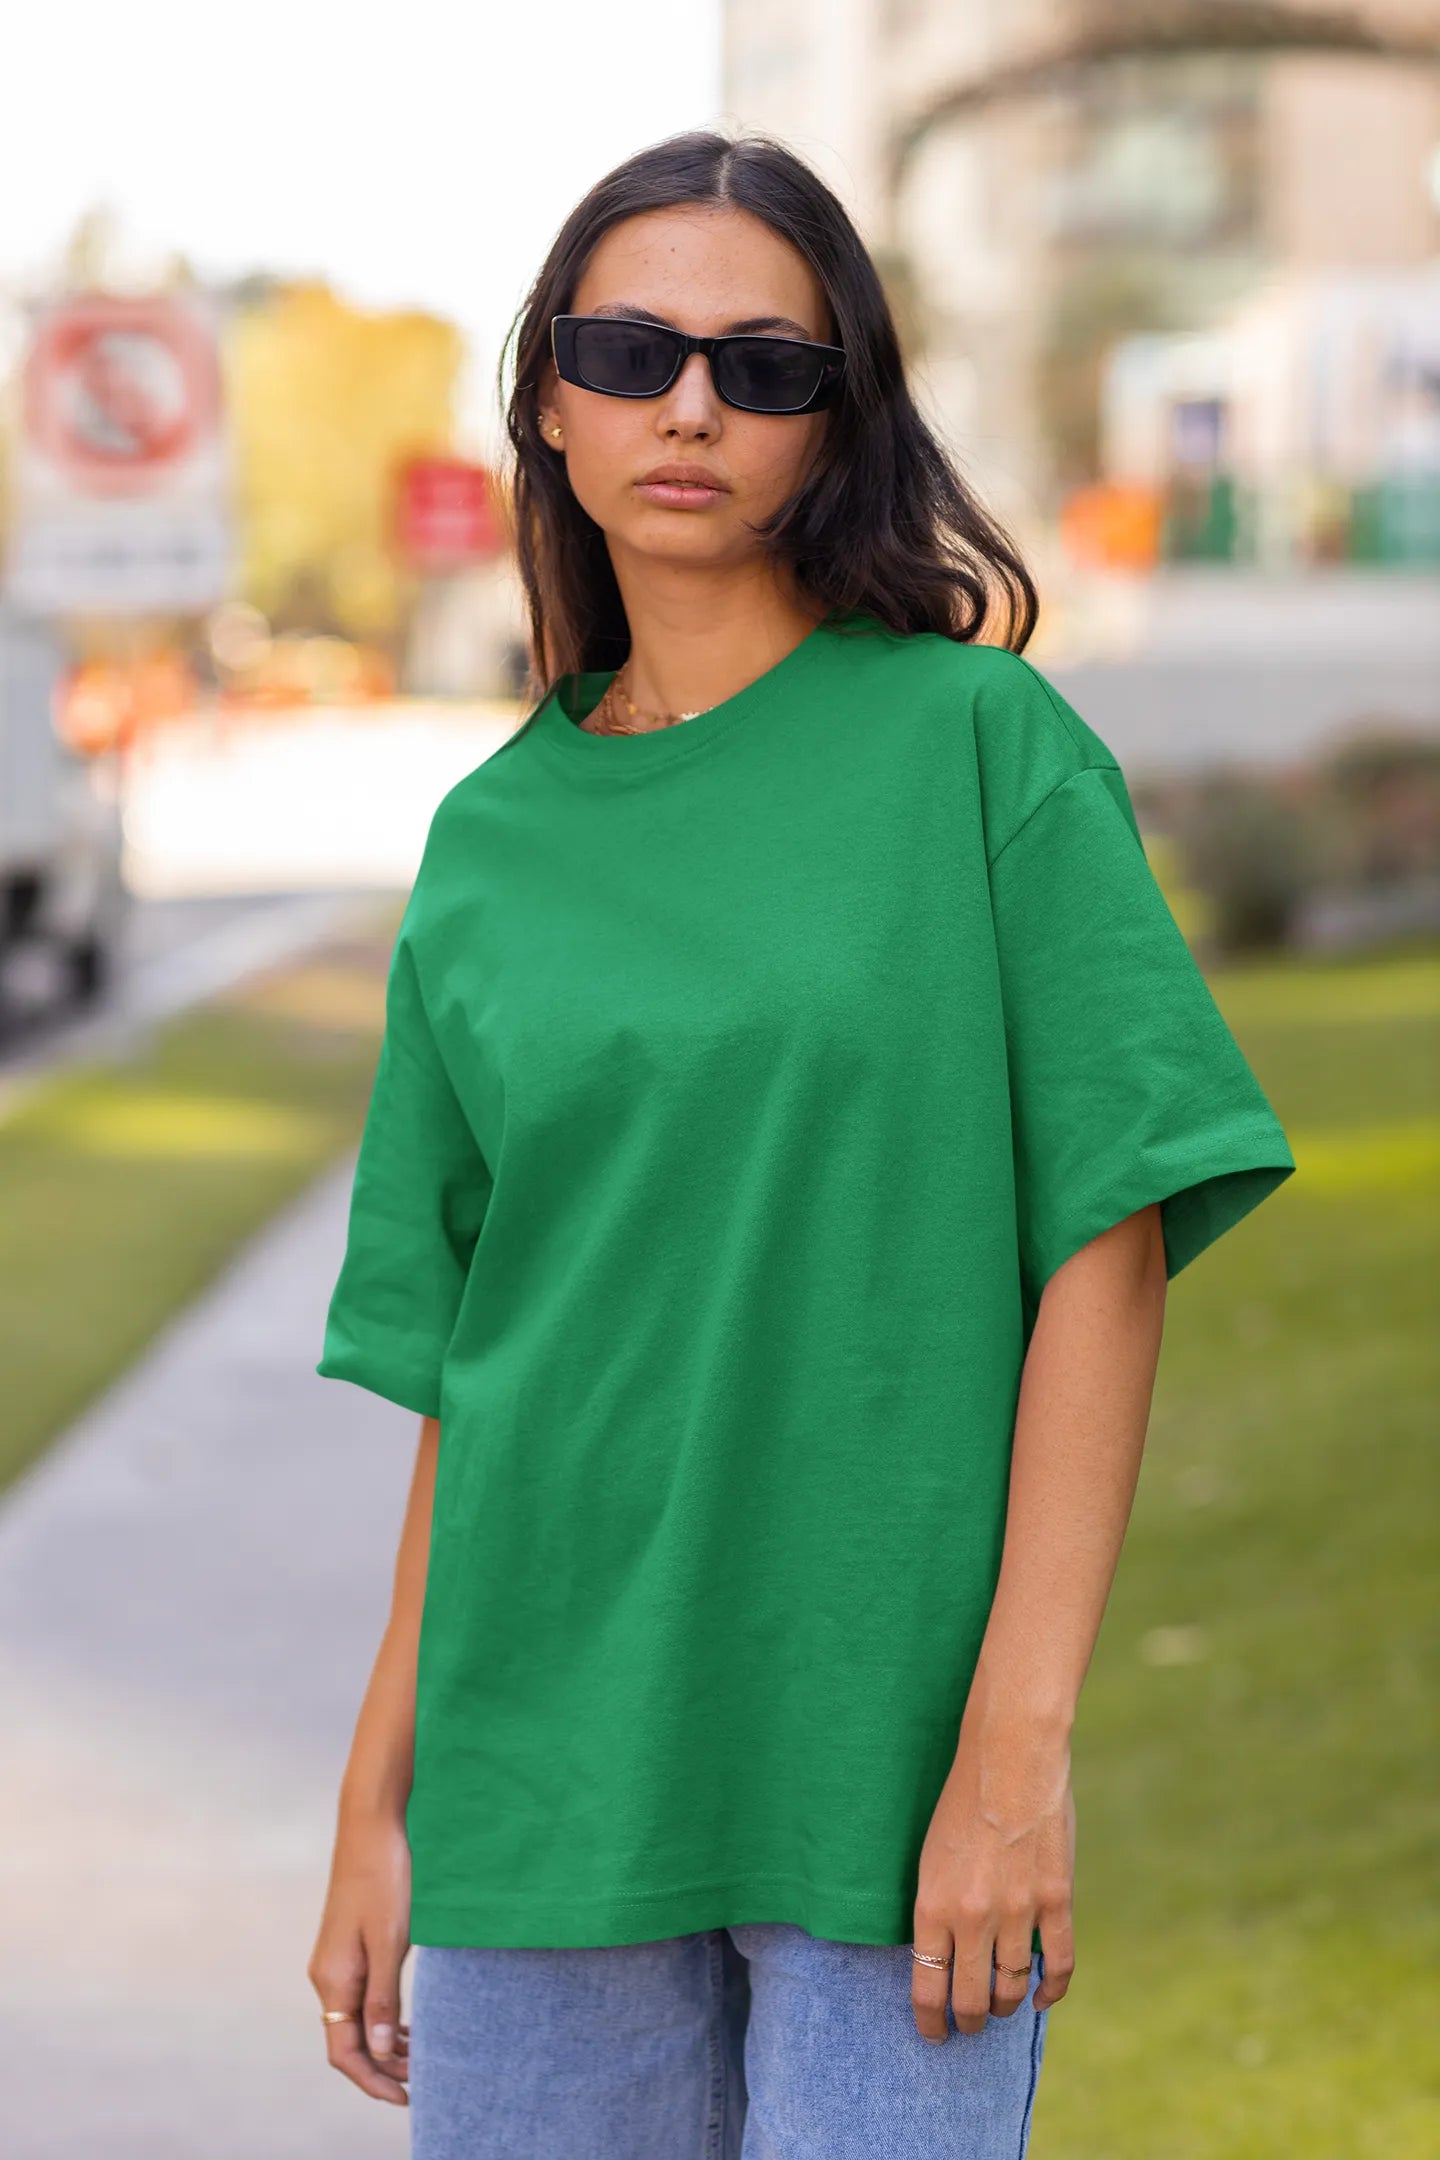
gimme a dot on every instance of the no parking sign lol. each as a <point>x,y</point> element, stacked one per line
<point>122,497</point>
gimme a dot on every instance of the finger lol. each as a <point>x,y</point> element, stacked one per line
<point>340,1985</point>
<point>1058,1956</point>
<point>338,1975</point>
<point>1008,1989</point>
<point>350,2056</point>
<point>970,1979</point>
<point>930,1984</point>
<point>382,1999</point>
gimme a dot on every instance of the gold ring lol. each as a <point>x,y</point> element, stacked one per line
<point>1016,1972</point>
<point>339,2017</point>
<point>921,1958</point>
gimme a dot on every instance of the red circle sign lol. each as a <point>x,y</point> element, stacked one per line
<point>117,391</point>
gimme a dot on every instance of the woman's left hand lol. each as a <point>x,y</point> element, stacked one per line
<point>998,1858</point>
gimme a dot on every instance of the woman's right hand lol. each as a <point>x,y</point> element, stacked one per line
<point>363,1939</point>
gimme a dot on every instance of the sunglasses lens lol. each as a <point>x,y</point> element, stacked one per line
<point>626,359</point>
<point>769,374</point>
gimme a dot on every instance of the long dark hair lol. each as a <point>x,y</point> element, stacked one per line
<point>882,523</point>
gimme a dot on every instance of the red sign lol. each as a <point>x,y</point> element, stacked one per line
<point>118,392</point>
<point>446,514</point>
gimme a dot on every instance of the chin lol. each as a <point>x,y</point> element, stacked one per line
<point>677,536</point>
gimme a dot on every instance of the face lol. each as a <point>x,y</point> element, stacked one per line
<point>708,271</point>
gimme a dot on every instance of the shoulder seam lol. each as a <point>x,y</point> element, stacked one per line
<point>1053,695</point>
<point>1105,765</point>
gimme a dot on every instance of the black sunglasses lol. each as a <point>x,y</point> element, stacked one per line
<point>624,357</point>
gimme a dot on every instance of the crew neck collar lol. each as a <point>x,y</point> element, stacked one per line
<point>573,697</point>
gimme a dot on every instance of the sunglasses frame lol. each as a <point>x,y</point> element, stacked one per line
<point>562,346</point>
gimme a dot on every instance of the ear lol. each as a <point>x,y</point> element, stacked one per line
<point>547,384</point>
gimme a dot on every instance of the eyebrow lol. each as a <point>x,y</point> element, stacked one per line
<point>747,326</point>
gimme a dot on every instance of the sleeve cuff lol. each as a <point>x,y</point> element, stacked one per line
<point>411,1388</point>
<point>1200,1199</point>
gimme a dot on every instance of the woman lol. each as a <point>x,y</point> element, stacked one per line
<point>795,1097</point>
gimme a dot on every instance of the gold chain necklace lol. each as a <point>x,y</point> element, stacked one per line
<point>604,720</point>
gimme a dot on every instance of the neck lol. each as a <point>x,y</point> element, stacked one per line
<point>694,643</point>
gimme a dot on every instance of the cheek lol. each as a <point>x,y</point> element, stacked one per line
<point>608,447</point>
<point>768,457</point>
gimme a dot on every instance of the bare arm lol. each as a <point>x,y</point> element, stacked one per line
<point>378,1773</point>
<point>999,1854</point>
<point>365,1927</point>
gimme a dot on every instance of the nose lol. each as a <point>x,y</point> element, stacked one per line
<point>691,402</point>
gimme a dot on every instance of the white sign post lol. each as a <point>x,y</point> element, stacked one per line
<point>121,502</point>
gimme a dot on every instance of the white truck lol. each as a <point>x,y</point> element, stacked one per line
<point>61,836</point>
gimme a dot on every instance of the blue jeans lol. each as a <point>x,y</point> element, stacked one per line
<point>755,2042</point>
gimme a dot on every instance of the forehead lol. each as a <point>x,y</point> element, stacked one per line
<point>703,269</point>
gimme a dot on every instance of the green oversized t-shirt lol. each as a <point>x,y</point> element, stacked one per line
<point>742,1085</point>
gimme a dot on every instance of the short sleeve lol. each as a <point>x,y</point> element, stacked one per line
<point>418,1199</point>
<point>1126,1084</point>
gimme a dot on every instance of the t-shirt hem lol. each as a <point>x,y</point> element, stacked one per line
<point>515,1921</point>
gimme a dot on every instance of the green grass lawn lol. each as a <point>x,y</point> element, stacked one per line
<point>1257,1906</point>
<point>128,1185</point>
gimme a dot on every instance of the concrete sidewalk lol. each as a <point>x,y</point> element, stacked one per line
<point>192,1588</point>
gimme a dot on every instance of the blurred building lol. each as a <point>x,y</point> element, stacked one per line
<point>1042,178</point>
<point>1167,279</point>
<point>1303,429</point>
<point>327,400</point>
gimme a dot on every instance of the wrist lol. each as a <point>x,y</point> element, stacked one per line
<point>1038,1716</point>
<point>368,1803</point>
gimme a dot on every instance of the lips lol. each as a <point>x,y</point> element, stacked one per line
<point>672,495</point>
<point>676,475</point>
<point>680,487</point>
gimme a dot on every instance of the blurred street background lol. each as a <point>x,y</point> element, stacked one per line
<point>1168,278</point>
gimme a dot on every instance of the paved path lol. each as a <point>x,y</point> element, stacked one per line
<point>192,1587</point>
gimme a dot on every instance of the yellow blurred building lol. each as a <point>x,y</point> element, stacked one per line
<point>327,403</point>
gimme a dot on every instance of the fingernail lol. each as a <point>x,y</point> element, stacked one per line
<point>382,2039</point>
